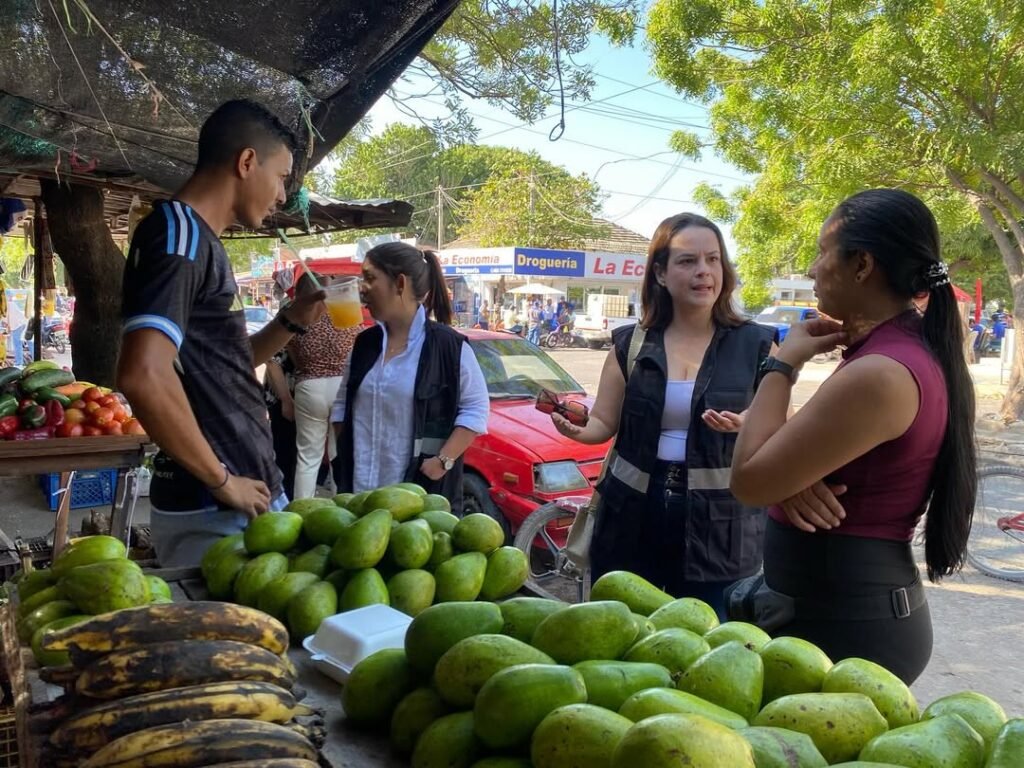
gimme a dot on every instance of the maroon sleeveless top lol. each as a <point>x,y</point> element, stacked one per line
<point>887,487</point>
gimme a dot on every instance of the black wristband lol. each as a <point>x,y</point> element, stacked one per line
<point>227,476</point>
<point>289,325</point>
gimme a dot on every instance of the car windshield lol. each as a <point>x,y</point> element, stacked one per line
<point>257,315</point>
<point>779,315</point>
<point>515,369</point>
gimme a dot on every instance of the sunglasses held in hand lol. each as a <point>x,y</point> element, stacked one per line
<point>572,411</point>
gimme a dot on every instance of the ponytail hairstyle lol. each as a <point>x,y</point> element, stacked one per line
<point>900,233</point>
<point>423,271</point>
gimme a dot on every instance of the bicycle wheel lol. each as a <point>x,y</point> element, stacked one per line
<point>996,543</point>
<point>552,573</point>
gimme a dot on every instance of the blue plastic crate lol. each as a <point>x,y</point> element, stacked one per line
<point>91,488</point>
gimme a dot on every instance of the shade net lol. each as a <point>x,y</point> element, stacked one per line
<point>117,89</point>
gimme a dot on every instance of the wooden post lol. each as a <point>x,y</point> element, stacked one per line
<point>38,236</point>
<point>60,526</point>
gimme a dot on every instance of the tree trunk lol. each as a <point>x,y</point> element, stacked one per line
<point>95,265</point>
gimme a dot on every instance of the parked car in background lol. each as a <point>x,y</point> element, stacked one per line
<point>523,462</point>
<point>604,314</point>
<point>781,317</point>
<point>256,318</point>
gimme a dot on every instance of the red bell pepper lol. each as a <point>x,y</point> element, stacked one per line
<point>40,433</point>
<point>8,426</point>
<point>54,413</point>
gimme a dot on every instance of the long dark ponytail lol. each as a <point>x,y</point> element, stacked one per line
<point>422,269</point>
<point>900,233</point>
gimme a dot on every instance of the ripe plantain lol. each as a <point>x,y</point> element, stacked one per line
<point>88,730</point>
<point>159,622</point>
<point>193,745</point>
<point>177,664</point>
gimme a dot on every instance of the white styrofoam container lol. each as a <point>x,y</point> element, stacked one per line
<point>343,640</point>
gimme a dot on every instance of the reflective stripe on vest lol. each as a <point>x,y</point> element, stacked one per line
<point>712,479</point>
<point>629,474</point>
<point>429,446</point>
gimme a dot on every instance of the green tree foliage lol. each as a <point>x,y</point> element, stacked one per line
<point>482,187</point>
<point>823,99</point>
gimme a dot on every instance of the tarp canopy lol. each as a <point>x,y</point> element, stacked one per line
<point>117,89</point>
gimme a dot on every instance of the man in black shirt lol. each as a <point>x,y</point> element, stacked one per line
<point>187,364</point>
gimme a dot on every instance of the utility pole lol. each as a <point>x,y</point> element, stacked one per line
<point>440,217</point>
<point>533,205</point>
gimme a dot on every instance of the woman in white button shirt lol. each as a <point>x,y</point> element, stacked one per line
<point>413,397</point>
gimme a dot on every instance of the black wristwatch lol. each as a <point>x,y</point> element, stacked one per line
<point>772,364</point>
<point>288,324</point>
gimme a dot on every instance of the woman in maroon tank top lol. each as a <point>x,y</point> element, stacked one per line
<point>854,470</point>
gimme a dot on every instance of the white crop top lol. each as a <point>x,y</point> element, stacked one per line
<point>675,420</point>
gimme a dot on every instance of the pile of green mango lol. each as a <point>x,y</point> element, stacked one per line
<point>637,679</point>
<point>397,546</point>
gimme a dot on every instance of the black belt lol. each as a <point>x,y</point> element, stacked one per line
<point>897,603</point>
<point>673,472</point>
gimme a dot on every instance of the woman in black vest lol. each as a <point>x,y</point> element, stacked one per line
<point>666,512</point>
<point>413,397</point>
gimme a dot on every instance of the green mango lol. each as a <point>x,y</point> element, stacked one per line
<point>731,676</point>
<point>1008,746</point>
<point>27,625</point>
<point>610,683</point>
<point>503,762</point>
<point>478,533</point>
<point>441,626</point>
<point>273,532</point>
<point>419,490</point>
<point>465,667</point>
<point>522,615</point>
<point>839,724</point>
<point>233,543</point>
<point>781,748</point>
<point>220,582</point>
<point>644,627</point>
<point>514,701</point>
<point>355,504</point>
<point>434,502</point>
<point>411,592</point>
<point>441,551</point>
<point>305,507</point>
<point>749,635</point>
<point>310,607</point>
<point>664,701</point>
<point>342,499</point>
<point>670,741</point>
<point>402,503</point>
<point>375,687</point>
<point>46,658</point>
<point>316,560</point>
<point>158,588</point>
<point>674,648</point>
<point>448,742</point>
<point>277,594</point>
<point>363,544</point>
<point>577,735</point>
<point>109,585</point>
<point>792,665</point>
<point>890,695</point>
<point>40,598</point>
<point>981,713</point>
<point>412,716</point>
<point>85,551</point>
<point>439,520</point>
<point>945,740</point>
<point>257,574</point>
<point>460,578</point>
<point>34,581</point>
<point>507,570</point>
<point>586,631</point>
<point>411,544</point>
<point>325,524</point>
<point>639,594</point>
<point>686,613</point>
<point>365,587</point>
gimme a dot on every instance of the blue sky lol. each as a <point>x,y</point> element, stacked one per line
<point>640,192</point>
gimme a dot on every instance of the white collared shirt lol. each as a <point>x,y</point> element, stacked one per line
<point>382,420</point>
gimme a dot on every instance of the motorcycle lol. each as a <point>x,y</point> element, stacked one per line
<point>563,337</point>
<point>54,335</point>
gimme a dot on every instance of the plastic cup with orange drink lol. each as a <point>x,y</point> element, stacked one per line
<point>343,304</point>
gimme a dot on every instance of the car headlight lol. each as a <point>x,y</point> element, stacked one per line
<point>558,476</point>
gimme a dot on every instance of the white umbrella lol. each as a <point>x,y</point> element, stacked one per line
<point>537,289</point>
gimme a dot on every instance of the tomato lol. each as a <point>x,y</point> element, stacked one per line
<point>133,427</point>
<point>91,431</point>
<point>102,417</point>
<point>91,407</point>
<point>92,394</point>
<point>109,401</point>
<point>74,416</point>
<point>78,405</point>
<point>70,429</point>
<point>113,428</point>
<point>120,414</point>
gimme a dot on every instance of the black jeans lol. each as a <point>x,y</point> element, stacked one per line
<point>834,569</point>
<point>649,539</point>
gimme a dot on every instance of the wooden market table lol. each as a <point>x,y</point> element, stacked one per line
<point>72,454</point>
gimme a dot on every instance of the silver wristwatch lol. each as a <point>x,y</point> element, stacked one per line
<point>447,462</point>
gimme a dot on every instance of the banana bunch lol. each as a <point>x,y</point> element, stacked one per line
<point>179,684</point>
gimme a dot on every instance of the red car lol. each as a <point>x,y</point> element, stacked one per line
<point>523,462</point>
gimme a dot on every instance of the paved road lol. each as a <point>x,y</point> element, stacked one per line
<point>978,620</point>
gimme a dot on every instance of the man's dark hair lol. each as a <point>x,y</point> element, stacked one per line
<point>238,125</point>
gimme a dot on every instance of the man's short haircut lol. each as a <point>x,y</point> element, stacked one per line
<point>238,125</point>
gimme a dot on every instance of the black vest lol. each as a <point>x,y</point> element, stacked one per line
<point>435,406</point>
<point>724,539</point>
